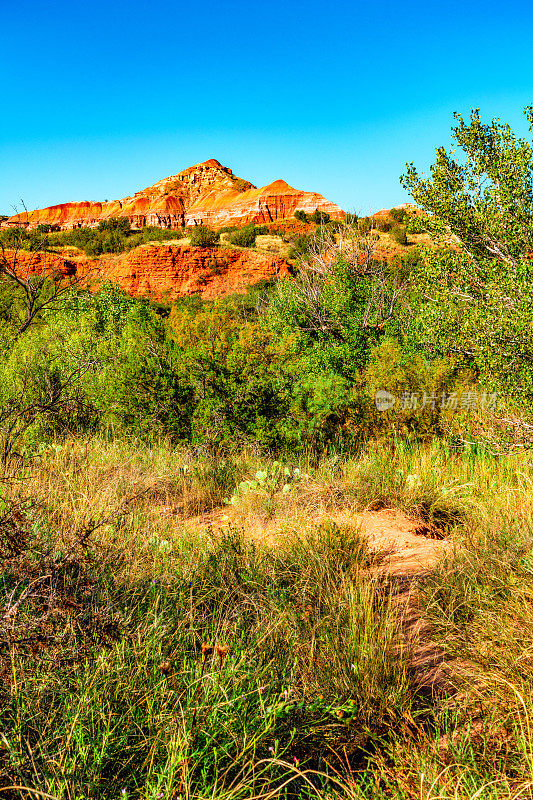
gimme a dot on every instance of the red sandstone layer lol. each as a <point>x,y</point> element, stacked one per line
<point>165,272</point>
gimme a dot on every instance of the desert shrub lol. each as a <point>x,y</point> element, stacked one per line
<point>351,218</point>
<point>111,236</point>
<point>383,224</point>
<point>22,239</point>
<point>319,217</point>
<point>417,385</point>
<point>302,245</point>
<point>322,316</point>
<point>154,233</point>
<point>243,237</point>
<point>115,224</point>
<point>203,236</point>
<point>94,241</point>
<point>399,235</point>
<point>398,215</point>
<point>301,216</point>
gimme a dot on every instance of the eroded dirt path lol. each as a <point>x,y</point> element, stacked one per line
<point>407,551</point>
<point>407,547</point>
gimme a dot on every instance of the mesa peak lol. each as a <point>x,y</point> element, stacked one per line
<point>205,194</point>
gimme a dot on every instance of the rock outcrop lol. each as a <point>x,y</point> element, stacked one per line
<point>207,193</point>
<point>174,271</point>
<point>164,272</point>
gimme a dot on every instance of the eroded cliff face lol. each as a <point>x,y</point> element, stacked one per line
<point>165,272</point>
<point>178,271</point>
<point>207,193</point>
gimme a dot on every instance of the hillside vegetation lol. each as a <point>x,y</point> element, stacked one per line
<point>191,605</point>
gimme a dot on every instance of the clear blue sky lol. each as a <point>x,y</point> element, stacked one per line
<point>102,99</point>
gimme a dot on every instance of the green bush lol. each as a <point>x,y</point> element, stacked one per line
<point>319,217</point>
<point>399,234</point>
<point>398,215</point>
<point>243,237</point>
<point>301,216</point>
<point>115,224</point>
<point>203,236</point>
<point>366,224</point>
<point>301,245</point>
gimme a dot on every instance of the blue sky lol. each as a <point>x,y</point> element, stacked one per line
<point>102,99</point>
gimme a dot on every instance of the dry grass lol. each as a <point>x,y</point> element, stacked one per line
<point>272,244</point>
<point>177,566</point>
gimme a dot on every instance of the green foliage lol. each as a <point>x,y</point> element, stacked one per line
<point>399,234</point>
<point>325,319</point>
<point>481,313</point>
<point>203,236</point>
<point>301,245</point>
<point>20,238</point>
<point>301,216</point>
<point>417,383</point>
<point>366,224</point>
<point>476,302</point>
<point>243,237</point>
<point>319,217</point>
<point>415,223</point>
<point>383,224</point>
<point>111,236</point>
<point>398,215</point>
<point>485,198</point>
<point>115,224</point>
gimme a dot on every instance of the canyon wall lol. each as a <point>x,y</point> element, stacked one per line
<point>164,272</point>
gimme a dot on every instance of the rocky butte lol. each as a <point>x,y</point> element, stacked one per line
<point>207,193</point>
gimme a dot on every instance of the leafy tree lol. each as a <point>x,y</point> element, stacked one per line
<point>334,312</point>
<point>301,216</point>
<point>415,223</point>
<point>474,300</point>
<point>485,198</point>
